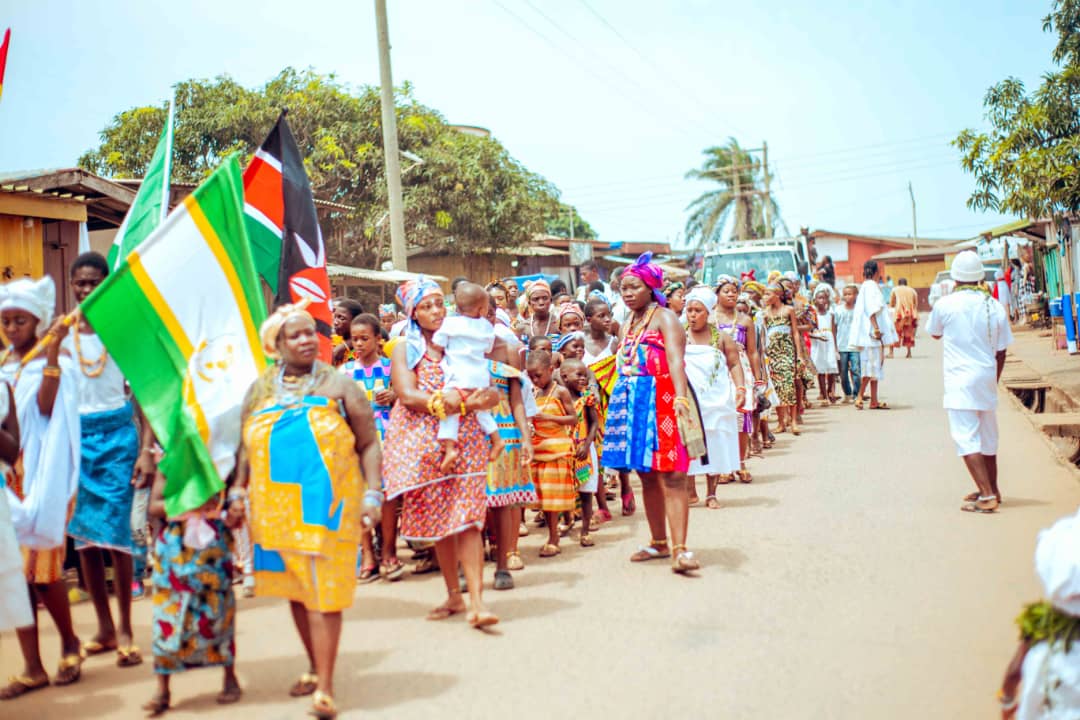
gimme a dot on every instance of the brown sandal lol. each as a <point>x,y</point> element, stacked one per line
<point>158,705</point>
<point>19,685</point>
<point>744,476</point>
<point>549,550</point>
<point>70,669</point>
<point>712,503</point>
<point>305,685</point>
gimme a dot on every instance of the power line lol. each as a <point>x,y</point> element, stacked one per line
<point>663,74</point>
<point>664,120</point>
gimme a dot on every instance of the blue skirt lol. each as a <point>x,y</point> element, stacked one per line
<point>630,436</point>
<point>110,446</point>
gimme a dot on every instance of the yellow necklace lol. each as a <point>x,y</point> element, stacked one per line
<point>90,368</point>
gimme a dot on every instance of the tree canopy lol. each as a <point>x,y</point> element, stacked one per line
<point>1028,162</point>
<point>467,194</point>
<point>737,175</point>
<point>558,223</point>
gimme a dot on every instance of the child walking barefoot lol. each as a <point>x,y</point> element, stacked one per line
<point>553,447</point>
<point>194,606</point>
<point>575,377</point>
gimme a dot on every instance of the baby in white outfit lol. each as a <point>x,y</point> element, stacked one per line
<point>466,339</point>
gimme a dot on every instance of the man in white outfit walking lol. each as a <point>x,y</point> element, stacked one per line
<point>976,331</point>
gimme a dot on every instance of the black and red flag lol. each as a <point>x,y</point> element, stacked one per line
<point>286,241</point>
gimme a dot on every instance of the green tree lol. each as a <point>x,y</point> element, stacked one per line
<point>1028,162</point>
<point>558,224</point>
<point>468,194</point>
<point>737,175</point>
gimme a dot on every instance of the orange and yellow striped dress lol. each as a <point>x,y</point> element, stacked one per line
<point>553,458</point>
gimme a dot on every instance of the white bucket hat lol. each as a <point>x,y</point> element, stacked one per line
<point>967,267</point>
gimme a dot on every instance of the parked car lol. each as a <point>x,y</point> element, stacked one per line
<point>944,284</point>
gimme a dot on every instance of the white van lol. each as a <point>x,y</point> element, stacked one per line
<point>761,256</point>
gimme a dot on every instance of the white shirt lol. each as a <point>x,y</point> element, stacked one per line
<point>871,303</point>
<point>105,392</point>
<point>975,328</point>
<point>844,317</point>
<point>465,342</point>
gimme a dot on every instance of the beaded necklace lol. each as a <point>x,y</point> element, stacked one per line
<point>634,335</point>
<point>291,390</point>
<point>90,368</point>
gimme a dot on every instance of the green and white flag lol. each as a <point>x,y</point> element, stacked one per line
<point>151,202</point>
<point>181,318</point>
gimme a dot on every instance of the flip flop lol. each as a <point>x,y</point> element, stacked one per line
<point>482,620</point>
<point>69,670</point>
<point>628,504</point>
<point>322,706</point>
<point>549,550</point>
<point>229,696</point>
<point>19,685</point>
<point>391,571</point>
<point>93,647</point>
<point>129,656</point>
<point>881,406</point>
<point>652,551</point>
<point>977,506</point>
<point>367,575</point>
<point>305,685</point>
<point>158,705</point>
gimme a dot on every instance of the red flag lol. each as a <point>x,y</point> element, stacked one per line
<point>287,243</point>
<point>3,57</point>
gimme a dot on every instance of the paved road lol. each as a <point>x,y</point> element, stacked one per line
<point>843,583</point>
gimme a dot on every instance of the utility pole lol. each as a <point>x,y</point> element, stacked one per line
<point>738,205</point>
<point>768,197</point>
<point>398,254</point>
<point>914,227</point>
<point>570,213</point>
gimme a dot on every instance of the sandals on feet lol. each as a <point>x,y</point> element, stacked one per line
<point>726,479</point>
<point>95,647</point>
<point>129,656</point>
<point>712,503</point>
<point>744,476</point>
<point>391,571</point>
<point>881,406</point>
<point>158,704</point>
<point>684,561</point>
<point>482,619</point>
<point>367,575</point>
<point>19,685</point>
<point>982,504</point>
<point>549,550</point>
<point>514,561</point>
<point>305,685</point>
<point>587,541</point>
<point>322,706</point>
<point>444,611</point>
<point>655,550</point>
<point>628,504</point>
<point>69,670</point>
<point>229,695</point>
<point>503,580</point>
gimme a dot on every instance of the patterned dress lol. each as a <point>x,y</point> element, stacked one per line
<point>738,334</point>
<point>435,505</point>
<point>641,432</point>
<point>194,605</point>
<point>372,380</point>
<point>305,494</point>
<point>586,471</point>
<point>553,458</point>
<point>508,483</point>
<point>780,349</point>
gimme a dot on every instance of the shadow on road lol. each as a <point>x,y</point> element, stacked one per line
<point>376,691</point>
<point>726,559</point>
<point>1011,502</point>
<point>536,578</point>
<point>518,609</point>
<point>757,501</point>
<point>386,608</point>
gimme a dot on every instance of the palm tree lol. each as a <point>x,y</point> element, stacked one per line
<point>738,175</point>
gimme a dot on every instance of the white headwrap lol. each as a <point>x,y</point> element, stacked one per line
<point>1058,565</point>
<point>37,297</point>
<point>825,287</point>
<point>703,295</point>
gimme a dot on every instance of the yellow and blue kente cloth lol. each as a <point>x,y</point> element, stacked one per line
<point>305,492</point>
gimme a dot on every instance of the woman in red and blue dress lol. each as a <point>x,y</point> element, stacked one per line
<point>650,396</point>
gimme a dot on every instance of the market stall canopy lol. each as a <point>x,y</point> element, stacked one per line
<point>363,276</point>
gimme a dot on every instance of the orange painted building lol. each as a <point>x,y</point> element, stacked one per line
<point>849,251</point>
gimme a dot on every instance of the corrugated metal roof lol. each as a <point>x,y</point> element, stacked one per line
<point>392,277</point>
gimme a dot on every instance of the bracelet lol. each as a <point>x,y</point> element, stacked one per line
<point>236,493</point>
<point>1007,703</point>
<point>52,371</point>
<point>740,387</point>
<point>685,402</point>
<point>437,405</point>
<point>464,410</point>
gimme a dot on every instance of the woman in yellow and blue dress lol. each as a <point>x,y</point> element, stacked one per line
<point>309,442</point>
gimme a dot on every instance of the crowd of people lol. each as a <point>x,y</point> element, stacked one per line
<point>449,424</point>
